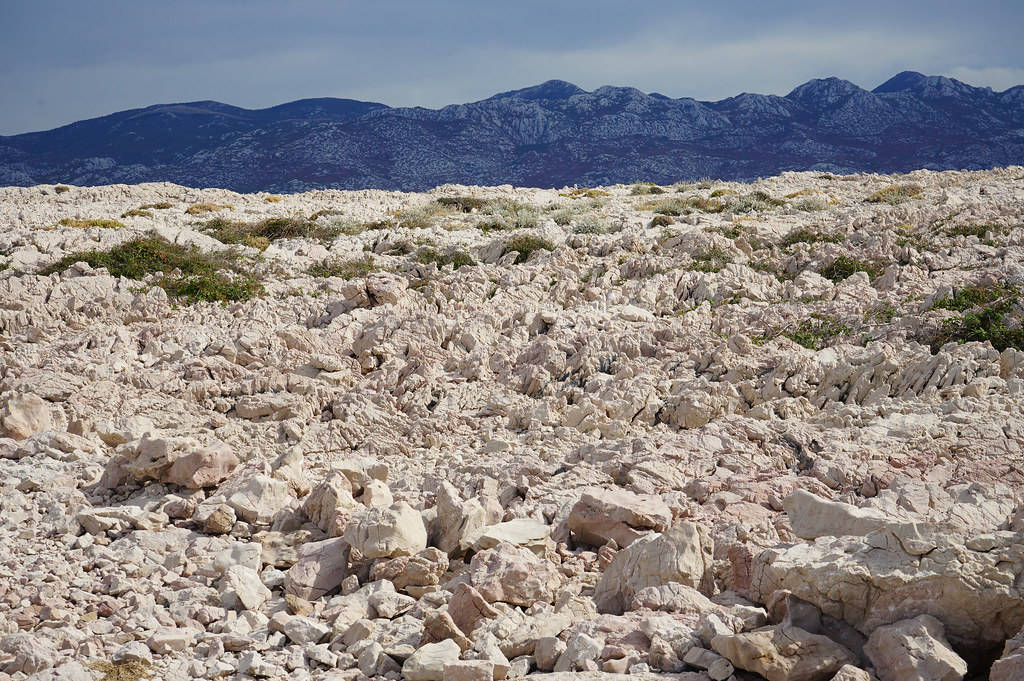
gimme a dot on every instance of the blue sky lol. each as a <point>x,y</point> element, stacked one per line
<point>64,61</point>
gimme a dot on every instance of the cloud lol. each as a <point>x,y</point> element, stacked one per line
<point>997,78</point>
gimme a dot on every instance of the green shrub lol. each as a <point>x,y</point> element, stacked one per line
<point>973,230</point>
<point>325,212</point>
<point>676,207</point>
<point>711,260</point>
<point>987,312</point>
<point>525,246</point>
<point>646,188</point>
<point>895,194</point>
<point>92,222</point>
<point>264,232</point>
<point>845,266</point>
<point>61,188</point>
<point>723,191</point>
<point>187,272</point>
<point>345,269</point>
<point>464,204</point>
<point>807,236</point>
<point>757,201</point>
<point>456,258</point>
<point>819,331</point>
<point>160,205</point>
<point>593,227</point>
<point>273,198</point>
<point>507,215</point>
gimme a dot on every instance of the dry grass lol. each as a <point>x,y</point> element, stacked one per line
<point>91,222</point>
<point>207,207</point>
<point>273,198</point>
<point>895,194</point>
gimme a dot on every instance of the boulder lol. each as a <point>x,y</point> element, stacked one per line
<point>241,588</point>
<point>619,515</point>
<point>26,653</point>
<point>519,532</point>
<point>24,415</point>
<point>202,467</point>
<point>781,653</point>
<point>330,505</point>
<point>423,569</point>
<point>888,576</point>
<point>320,569</point>
<point>1010,666</point>
<point>455,520</point>
<point>914,650</point>
<point>387,532</point>
<point>467,608</point>
<point>259,499</point>
<point>813,517</point>
<point>428,662</point>
<point>512,574</point>
<point>683,554</point>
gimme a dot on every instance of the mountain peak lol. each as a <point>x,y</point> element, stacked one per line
<point>551,89</point>
<point>824,91</point>
<point>904,80</point>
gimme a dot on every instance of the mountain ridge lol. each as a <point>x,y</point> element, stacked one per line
<point>551,134</point>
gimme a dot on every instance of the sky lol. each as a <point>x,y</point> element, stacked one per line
<point>70,60</point>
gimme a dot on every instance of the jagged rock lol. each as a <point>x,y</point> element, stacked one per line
<point>547,652</point>
<point>423,569</point>
<point>260,498</point>
<point>683,554</point>
<point>511,574</point>
<point>166,640</point>
<point>26,653</point>
<point>468,607</point>
<point>783,653</point>
<point>1010,665</point>
<point>428,662</point>
<point>519,532</point>
<point>618,515</point>
<point>203,467</point>
<point>120,519</point>
<point>304,630</point>
<point>241,588</point>
<point>387,532</point>
<point>469,670</point>
<point>25,415</point>
<point>972,592</point>
<point>813,517</point>
<point>581,652</point>
<point>320,569</point>
<point>914,650</point>
<point>456,520</point>
<point>850,673</point>
<point>330,505</point>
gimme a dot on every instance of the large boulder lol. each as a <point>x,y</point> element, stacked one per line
<point>320,568</point>
<point>388,532</point>
<point>973,585</point>
<point>259,499</point>
<point>683,554</point>
<point>24,415</point>
<point>330,506</point>
<point>780,653</point>
<point>428,662</point>
<point>812,517</point>
<point>513,574</point>
<point>914,650</point>
<point>202,467</point>
<point>622,516</point>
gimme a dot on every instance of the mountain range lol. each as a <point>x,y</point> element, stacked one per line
<point>549,135</point>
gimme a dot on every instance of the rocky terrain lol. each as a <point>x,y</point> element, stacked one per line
<point>695,432</point>
<point>547,135</point>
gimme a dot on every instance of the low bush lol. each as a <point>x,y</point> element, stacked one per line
<point>61,188</point>
<point>895,194</point>
<point>803,235</point>
<point>92,222</point>
<point>464,204</point>
<point>159,205</point>
<point>818,332</point>
<point>261,234</point>
<point>990,314</point>
<point>525,246</point>
<point>273,198</point>
<point>207,207</point>
<point>345,269</point>
<point>845,266</point>
<point>711,260</point>
<point>456,258</point>
<point>136,213</point>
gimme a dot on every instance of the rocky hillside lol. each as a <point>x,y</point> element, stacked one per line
<point>544,136</point>
<point>690,432</point>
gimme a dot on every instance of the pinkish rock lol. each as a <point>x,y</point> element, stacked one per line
<point>617,514</point>
<point>512,574</point>
<point>423,569</point>
<point>468,608</point>
<point>320,568</point>
<point>203,467</point>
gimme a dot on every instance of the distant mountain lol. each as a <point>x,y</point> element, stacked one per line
<point>552,134</point>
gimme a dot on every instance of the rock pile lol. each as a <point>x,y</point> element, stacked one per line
<point>705,432</point>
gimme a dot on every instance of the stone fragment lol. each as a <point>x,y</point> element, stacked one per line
<point>26,653</point>
<point>783,653</point>
<point>683,554</point>
<point>423,569</point>
<point>468,608</point>
<point>388,532</point>
<point>512,574</point>
<point>601,515</point>
<point>428,662</point>
<point>581,653</point>
<point>133,651</point>
<point>320,569</point>
<point>260,498</point>
<point>813,517</point>
<point>304,630</point>
<point>455,520</point>
<point>519,532</point>
<point>330,505</point>
<point>850,673</point>
<point>203,467</point>
<point>1010,666</point>
<point>914,650</point>
<point>468,670</point>
<point>241,588</point>
<point>166,640</point>
<point>547,651</point>
<point>24,415</point>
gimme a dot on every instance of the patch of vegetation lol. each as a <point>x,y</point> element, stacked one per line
<point>973,230</point>
<point>845,266</point>
<point>273,198</point>
<point>456,258</point>
<point>802,192</point>
<point>973,296</point>
<point>662,221</point>
<point>136,213</point>
<point>345,269</point>
<point>895,194</point>
<point>812,205</point>
<point>564,216</point>
<point>159,205</point>
<point>186,272</point>
<point>819,331</point>
<point>584,193</point>
<point>261,234</point>
<point>723,191</point>
<point>593,227</point>
<point>988,315</point>
<point>711,260</point>
<point>755,202</point>
<point>808,236</point>
<point>61,188</point>
<point>207,207</point>
<point>882,313</point>
<point>507,215</point>
<point>525,246</point>
<point>92,222</point>
<point>122,671</point>
<point>677,207</point>
<point>463,204</point>
<point>645,188</point>
<point>325,212</point>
